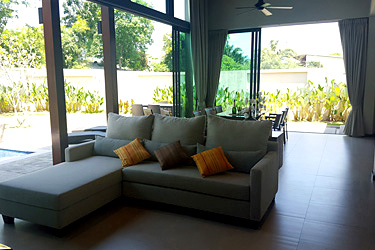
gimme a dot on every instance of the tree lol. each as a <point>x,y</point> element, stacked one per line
<point>17,54</point>
<point>7,11</point>
<point>274,58</point>
<point>133,35</point>
<point>233,58</point>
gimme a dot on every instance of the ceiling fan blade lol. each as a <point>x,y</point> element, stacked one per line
<point>241,8</point>
<point>265,5</point>
<point>266,12</point>
<point>280,8</point>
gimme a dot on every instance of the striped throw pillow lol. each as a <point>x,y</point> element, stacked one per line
<point>212,161</point>
<point>132,153</point>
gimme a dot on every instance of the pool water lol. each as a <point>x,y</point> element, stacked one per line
<point>6,154</point>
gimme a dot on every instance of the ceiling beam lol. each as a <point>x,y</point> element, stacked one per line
<point>146,12</point>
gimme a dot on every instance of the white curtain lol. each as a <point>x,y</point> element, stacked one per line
<point>199,46</point>
<point>216,44</point>
<point>354,40</point>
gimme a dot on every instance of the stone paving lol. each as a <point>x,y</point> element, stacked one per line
<point>23,165</point>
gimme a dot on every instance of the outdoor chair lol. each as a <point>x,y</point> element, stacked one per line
<point>276,120</point>
<point>284,123</point>
<point>279,122</point>
<point>137,110</point>
<point>155,108</point>
<point>148,111</point>
<point>219,109</point>
<point>210,111</point>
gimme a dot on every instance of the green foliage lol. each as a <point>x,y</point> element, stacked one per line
<point>163,94</point>
<point>7,11</point>
<point>233,58</point>
<point>275,58</point>
<point>329,102</point>
<point>77,99</point>
<point>39,97</point>
<point>92,102</point>
<point>133,35</point>
<point>23,47</point>
<point>228,63</point>
<point>82,43</point>
<point>126,107</point>
<point>226,98</point>
<point>19,97</point>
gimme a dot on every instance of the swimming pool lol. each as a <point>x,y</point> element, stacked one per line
<point>6,154</point>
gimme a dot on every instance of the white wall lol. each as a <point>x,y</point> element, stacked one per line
<point>135,85</point>
<point>282,79</point>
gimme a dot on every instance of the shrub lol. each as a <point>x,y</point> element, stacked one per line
<point>312,102</point>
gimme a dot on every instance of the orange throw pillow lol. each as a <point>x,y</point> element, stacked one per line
<point>212,161</point>
<point>132,153</point>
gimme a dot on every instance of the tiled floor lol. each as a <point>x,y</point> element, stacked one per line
<point>326,200</point>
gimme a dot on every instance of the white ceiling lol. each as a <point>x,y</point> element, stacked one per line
<point>223,15</point>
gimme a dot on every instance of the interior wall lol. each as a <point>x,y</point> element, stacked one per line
<point>223,13</point>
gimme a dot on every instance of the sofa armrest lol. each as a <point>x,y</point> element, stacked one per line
<point>264,178</point>
<point>79,151</point>
<point>272,146</point>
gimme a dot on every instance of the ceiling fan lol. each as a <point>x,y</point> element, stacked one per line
<point>261,6</point>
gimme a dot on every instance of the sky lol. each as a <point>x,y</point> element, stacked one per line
<point>317,39</point>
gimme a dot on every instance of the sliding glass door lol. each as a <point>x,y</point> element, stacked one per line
<point>240,70</point>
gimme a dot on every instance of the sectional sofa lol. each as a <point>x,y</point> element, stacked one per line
<point>92,175</point>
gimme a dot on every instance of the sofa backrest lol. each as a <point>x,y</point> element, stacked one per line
<point>189,131</point>
<point>129,128</point>
<point>235,135</point>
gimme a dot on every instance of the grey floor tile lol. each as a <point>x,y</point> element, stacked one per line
<point>333,236</point>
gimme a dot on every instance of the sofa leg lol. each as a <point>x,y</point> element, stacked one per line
<point>8,220</point>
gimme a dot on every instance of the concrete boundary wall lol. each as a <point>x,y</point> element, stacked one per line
<point>140,86</point>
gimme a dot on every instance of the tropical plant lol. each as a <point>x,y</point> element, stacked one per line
<point>328,102</point>
<point>163,94</point>
<point>92,102</point>
<point>226,98</point>
<point>126,107</point>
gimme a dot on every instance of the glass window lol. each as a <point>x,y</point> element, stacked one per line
<point>144,50</point>
<point>181,9</point>
<point>158,5</point>
<point>234,83</point>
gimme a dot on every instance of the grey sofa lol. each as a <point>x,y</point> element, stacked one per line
<point>92,176</point>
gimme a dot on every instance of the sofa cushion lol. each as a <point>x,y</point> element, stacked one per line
<point>189,131</point>
<point>171,155</point>
<point>151,146</point>
<point>242,161</point>
<point>65,184</point>
<point>238,135</point>
<point>231,185</point>
<point>212,161</point>
<point>129,128</point>
<point>132,153</point>
<point>105,146</point>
